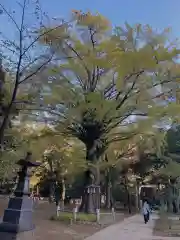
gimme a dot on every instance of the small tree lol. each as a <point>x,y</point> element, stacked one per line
<point>62,158</point>
<point>23,58</point>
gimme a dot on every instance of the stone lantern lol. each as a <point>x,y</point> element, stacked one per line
<point>18,215</point>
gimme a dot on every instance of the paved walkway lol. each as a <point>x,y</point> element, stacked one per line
<point>132,228</point>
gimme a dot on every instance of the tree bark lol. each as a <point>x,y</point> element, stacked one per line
<point>108,196</point>
<point>63,193</point>
<point>51,179</point>
<point>86,180</point>
<point>108,190</point>
<point>51,193</point>
<point>137,196</point>
<point>91,176</point>
<point>128,194</point>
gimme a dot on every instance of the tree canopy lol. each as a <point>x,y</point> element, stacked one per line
<point>107,78</point>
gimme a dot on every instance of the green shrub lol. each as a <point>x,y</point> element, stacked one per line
<point>68,216</point>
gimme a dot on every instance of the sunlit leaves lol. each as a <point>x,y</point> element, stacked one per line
<point>65,155</point>
<point>58,34</point>
<point>95,22</point>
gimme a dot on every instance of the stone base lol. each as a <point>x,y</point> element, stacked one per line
<point>15,228</point>
<point>18,216</point>
<point>17,236</point>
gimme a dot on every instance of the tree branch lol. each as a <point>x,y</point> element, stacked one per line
<point>129,91</point>
<point>10,16</point>
<point>37,70</point>
<point>116,139</point>
<point>41,35</point>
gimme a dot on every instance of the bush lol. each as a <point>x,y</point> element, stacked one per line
<point>68,217</point>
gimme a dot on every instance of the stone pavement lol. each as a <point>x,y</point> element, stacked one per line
<point>132,228</point>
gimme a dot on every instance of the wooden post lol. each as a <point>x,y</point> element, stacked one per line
<point>98,215</point>
<point>75,213</point>
<point>58,209</point>
<point>113,214</point>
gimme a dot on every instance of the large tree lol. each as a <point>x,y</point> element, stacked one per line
<point>108,78</point>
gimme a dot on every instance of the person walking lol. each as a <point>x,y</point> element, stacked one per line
<point>146,211</point>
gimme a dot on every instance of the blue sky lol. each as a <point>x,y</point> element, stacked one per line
<point>157,13</point>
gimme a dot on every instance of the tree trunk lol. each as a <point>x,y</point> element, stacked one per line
<point>91,177</point>
<point>174,206</point>
<point>63,193</point>
<point>97,175</point>
<point>108,190</point>
<point>51,193</point>
<point>128,194</point>
<point>178,201</point>
<point>129,202</point>
<point>51,179</point>
<point>108,196</point>
<point>37,189</point>
<point>137,196</point>
<point>87,181</point>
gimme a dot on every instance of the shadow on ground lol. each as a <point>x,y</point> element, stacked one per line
<point>8,236</point>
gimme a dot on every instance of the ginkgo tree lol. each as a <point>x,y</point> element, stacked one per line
<point>61,158</point>
<point>133,161</point>
<point>110,76</point>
